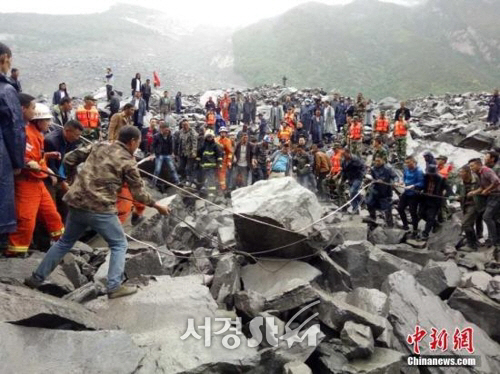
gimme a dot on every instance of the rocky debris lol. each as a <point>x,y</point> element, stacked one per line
<point>411,304</point>
<point>448,235</point>
<point>386,236</point>
<point>281,202</point>
<point>493,289</point>
<point>440,277</point>
<point>249,303</point>
<point>146,263</point>
<point>284,286</point>
<point>349,229</point>
<point>89,291</point>
<point>36,350</point>
<point>359,339</point>
<point>296,367</point>
<point>226,280</point>
<point>367,265</point>
<point>477,279</point>
<point>409,253</point>
<point>334,277</point>
<point>23,306</point>
<point>368,299</point>
<point>477,308</point>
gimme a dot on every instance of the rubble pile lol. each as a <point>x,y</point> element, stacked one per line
<point>333,298</point>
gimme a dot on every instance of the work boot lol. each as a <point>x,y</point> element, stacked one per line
<point>32,282</point>
<point>122,291</point>
<point>425,236</point>
<point>136,219</point>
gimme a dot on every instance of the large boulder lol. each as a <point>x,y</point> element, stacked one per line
<point>158,316</point>
<point>440,277</point>
<point>35,350</point>
<point>368,265</point>
<point>477,308</point>
<point>284,286</point>
<point>411,304</point>
<point>476,279</point>
<point>281,202</point>
<point>407,252</point>
<point>493,289</point>
<point>226,280</point>
<point>359,338</point>
<point>27,307</point>
<point>386,236</point>
<point>448,235</point>
<point>334,277</point>
<point>478,140</point>
<point>368,299</point>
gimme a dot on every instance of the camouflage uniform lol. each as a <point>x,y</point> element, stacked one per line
<point>401,148</point>
<point>106,169</point>
<point>336,190</point>
<point>381,152</point>
<point>356,147</point>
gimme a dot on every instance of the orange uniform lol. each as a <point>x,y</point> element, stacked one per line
<point>382,125</point>
<point>285,134</point>
<point>124,206</point>
<point>336,162</point>
<point>89,118</point>
<point>224,105</point>
<point>400,129</point>
<point>445,170</point>
<point>227,146</point>
<point>290,119</point>
<point>33,201</point>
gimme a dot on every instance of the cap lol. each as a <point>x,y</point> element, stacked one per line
<point>89,97</point>
<point>223,129</point>
<point>427,153</point>
<point>442,157</point>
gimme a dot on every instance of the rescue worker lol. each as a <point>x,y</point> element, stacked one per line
<point>489,185</point>
<point>333,180</point>
<point>413,182</point>
<point>285,133</point>
<point>210,157</point>
<point>227,147</point>
<point>434,189</point>
<point>471,206</point>
<point>62,111</point>
<point>380,194</point>
<point>379,150</point>
<point>290,118</point>
<point>187,148</point>
<point>356,136</point>
<point>210,119</point>
<point>13,108</point>
<point>119,120</point>
<point>260,160</point>
<point>445,170</point>
<point>88,116</point>
<point>321,169</point>
<point>224,106</point>
<point>381,127</point>
<point>353,171</point>
<point>400,133</point>
<point>33,200</point>
<point>95,207</point>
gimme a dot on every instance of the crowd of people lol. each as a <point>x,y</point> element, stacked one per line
<point>336,148</point>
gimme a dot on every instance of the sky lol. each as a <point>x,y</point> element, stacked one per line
<point>229,13</point>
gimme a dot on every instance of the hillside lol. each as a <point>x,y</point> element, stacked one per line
<point>379,48</point>
<point>77,49</point>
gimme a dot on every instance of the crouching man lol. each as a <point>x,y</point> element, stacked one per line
<point>92,203</point>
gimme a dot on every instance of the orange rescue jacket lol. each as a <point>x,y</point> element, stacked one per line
<point>355,131</point>
<point>382,125</point>
<point>400,129</point>
<point>89,118</point>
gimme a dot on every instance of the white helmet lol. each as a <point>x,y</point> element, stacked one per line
<point>209,133</point>
<point>223,129</point>
<point>42,111</point>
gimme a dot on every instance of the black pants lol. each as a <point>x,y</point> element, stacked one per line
<point>321,178</point>
<point>259,173</point>
<point>109,88</point>
<point>186,168</point>
<point>146,99</point>
<point>412,202</point>
<point>428,212</point>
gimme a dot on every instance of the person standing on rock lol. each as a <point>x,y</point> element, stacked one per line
<point>402,110</point>
<point>165,105</point>
<point>400,134</point>
<point>59,94</point>
<point>139,110</point>
<point>233,112</point>
<point>136,84</point>
<point>489,186</point>
<point>263,128</point>
<point>317,127</point>
<point>114,103</point>
<point>187,149</point>
<point>109,83</point>
<point>494,109</point>
<point>146,93</point>
<point>260,160</point>
<point>178,102</point>
<point>380,194</point>
<point>472,206</point>
<point>435,188</point>
<point>243,153</point>
<point>321,168</point>
<point>276,116</point>
<point>247,111</point>
<point>163,148</point>
<point>299,133</point>
<point>330,125</point>
<point>92,206</point>
<point>306,115</point>
<point>302,165</point>
<point>353,171</point>
<point>413,182</point>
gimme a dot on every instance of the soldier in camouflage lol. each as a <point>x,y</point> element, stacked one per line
<point>92,203</point>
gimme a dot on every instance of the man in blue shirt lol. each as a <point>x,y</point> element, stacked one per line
<point>281,162</point>
<point>413,178</point>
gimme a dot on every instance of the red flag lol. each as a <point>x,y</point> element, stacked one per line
<point>156,79</point>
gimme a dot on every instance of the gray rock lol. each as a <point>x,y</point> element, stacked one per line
<point>146,263</point>
<point>360,338</point>
<point>101,274</point>
<point>335,312</point>
<point>478,140</point>
<point>226,236</point>
<point>388,103</point>
<point>24,306</point>
<point>72,271</point>
<point>296,367</point>
<point>407,252</point>
<point>449,234</point>
<point>81,248</point>
<point>382,360</point>
<point>250,303</point>
<point>56,351</point>
<point>201,260</point>
<point>368,265</point>
<point>284,287</point>
<point>89,291</point>
<point>382,235</point>
<point>493,289</point>
<point>334,277</point>
<point>477,308</point>
<point>368,299</point>
<point>411,304</point>
<point>281,202</point>
<point>226,280</point>
<point>440,277</point>
<point>476,279</point>
<point>350,230</point>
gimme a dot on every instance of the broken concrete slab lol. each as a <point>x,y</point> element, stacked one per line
<point>285,286</point>
<point>359,339</point>
<point>28,307</point>
<point>145,263</point>
<point>37,350</point>
<point>493,289</point>
<point>368,265</point>
<point>477,308</point>
<point>411,304</point>
<point>440,277</point>
<point>282,202</point>
<point>226,280</point>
